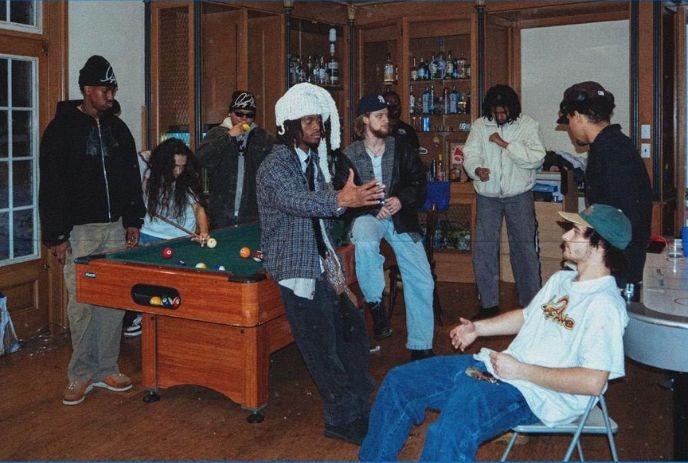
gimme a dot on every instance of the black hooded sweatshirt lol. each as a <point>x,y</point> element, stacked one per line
<point>88,173</point>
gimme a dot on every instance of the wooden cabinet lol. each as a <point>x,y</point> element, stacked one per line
<point>440,131</point>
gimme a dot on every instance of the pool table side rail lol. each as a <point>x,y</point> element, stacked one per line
<point>205,296</point>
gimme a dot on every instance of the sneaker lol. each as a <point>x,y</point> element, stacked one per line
<point>381,326</point>
<point>76,391</point>
<point>117,382</point>
<point>353,433</point>
<point>134,329</point>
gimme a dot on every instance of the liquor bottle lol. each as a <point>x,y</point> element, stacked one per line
<point>453,101</point>
<point>422,70</point>
<point>432,99</point>
<point>455,73</point>
<point>412,100</point>
<point>432,68</point>
<point>449,74</point>
<point>316,70</point>
<point>439,174</point>
<point>441,66</point>
<point>461,67</point>
<point>426,101</point>
<point>445,97</point>
<point>468,102</point>
<point>468,70</point>
<point>463,103</point>
<point>323,71</point>
<point>388,76</point>
<point>333,67</point>
<point>309,69</point>
<point>414,70</point>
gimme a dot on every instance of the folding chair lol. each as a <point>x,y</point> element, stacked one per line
<point>595,420</point>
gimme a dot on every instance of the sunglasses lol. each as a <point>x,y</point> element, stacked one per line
<point>247,114</point>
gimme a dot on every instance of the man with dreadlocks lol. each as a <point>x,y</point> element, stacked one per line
<point>294,202</point>
<point>502,153</point>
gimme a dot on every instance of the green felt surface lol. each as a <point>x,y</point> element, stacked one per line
<point>229,242</point>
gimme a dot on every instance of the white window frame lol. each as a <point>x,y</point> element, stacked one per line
<point>12,26</point>
<point>34,166</point>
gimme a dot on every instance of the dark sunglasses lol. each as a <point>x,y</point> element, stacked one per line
<point>247,114</point>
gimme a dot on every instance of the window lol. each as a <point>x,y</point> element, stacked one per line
<point>18,159</point>
<point>22,15</point>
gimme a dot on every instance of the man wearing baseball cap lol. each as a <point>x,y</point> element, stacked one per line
<point>568,344</point>
<point>615,173</point>
<point>90,201</point>
<point>232,153</point>
<point>394,162</point>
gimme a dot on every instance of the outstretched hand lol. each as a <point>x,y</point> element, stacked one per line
<point>463,334</point>
<point>352,195</point>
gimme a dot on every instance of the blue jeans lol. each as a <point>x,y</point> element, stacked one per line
<point>331,335</point>
<point>366,234</point>
<point>471,411</point>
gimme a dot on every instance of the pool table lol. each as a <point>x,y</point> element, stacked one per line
<point>224,325</point>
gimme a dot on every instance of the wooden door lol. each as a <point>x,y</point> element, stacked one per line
<point>31,83</point>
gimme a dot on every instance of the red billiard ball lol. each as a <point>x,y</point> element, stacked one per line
<point>245,252</point>
<point>167,253</point>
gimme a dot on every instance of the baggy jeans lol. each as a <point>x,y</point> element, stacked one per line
<point>471,411</point>
<point>331,336</point>
<point>366,234</point>
<point>96,331</point>
<point>521,228</point>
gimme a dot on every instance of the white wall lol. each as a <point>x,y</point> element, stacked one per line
<point>115,30</point>
<point>554,58</point>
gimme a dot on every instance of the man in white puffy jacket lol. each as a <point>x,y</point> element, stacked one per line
<point>502,154</point>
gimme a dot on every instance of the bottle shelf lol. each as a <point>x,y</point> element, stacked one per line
<point>437,81</point>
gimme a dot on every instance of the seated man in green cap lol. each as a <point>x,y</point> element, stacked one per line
<point>568,344</point>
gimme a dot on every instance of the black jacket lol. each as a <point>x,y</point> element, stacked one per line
<point>219,154</point>
<point>89,173</point>
<point>408,183</point>
<point>616,175</point>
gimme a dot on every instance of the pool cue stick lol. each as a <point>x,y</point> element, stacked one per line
<point>175,225</point>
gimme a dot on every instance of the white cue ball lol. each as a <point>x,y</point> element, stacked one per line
<point>211,243</point>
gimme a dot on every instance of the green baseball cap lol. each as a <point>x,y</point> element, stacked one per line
<point>609,222</point>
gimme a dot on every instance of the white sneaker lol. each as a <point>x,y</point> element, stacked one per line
<point>134,329</point>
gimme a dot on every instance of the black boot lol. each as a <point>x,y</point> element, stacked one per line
<point>381,325</point>
<point>420,354</point>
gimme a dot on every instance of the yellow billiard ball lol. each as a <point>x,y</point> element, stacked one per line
<point>201,265</point>
<point>245,252</point>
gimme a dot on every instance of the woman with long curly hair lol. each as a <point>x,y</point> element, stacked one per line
<point>172,191</point>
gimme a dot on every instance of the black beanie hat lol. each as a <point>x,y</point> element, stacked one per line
<point>97,71</point>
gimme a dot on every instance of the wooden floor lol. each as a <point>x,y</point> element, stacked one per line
<point>195,423</point>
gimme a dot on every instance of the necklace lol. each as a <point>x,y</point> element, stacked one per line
<point>375,152</point>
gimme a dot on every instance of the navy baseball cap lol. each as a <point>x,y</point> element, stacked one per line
<point>609,222</point>
<point>369,103</point>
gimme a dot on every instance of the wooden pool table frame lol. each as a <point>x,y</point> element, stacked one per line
<point>220,337</point>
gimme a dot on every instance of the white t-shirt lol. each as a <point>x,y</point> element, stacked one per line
<point>570,324</point>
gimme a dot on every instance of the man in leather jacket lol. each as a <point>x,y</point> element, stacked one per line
<point>232,153</point>
<point>396,165</point>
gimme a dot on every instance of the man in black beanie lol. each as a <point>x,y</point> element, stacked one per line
<point>90,201</point>
<point>232,153</point>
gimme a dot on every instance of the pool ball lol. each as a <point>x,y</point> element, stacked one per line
<point>211,243</point>
<point>155,300</point>
<point>220,268</point>
<point>257,256</point>
<point>201,265</point>
<point>167,253</point>
<point>245,252</point>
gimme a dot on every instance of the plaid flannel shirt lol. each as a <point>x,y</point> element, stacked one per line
<point>285,207</point>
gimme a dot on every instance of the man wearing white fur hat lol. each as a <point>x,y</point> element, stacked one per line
<point>295,201</point>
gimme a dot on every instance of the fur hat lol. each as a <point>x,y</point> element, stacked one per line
<point>306,99</point>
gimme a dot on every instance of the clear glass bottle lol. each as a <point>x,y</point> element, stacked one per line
<point>333,67</point>
<point>449,74</point>
<point>388,72</point>
<point>414,70</point>
<point>453,101</point>
<point>412,100</point>
<point>432,68</point>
